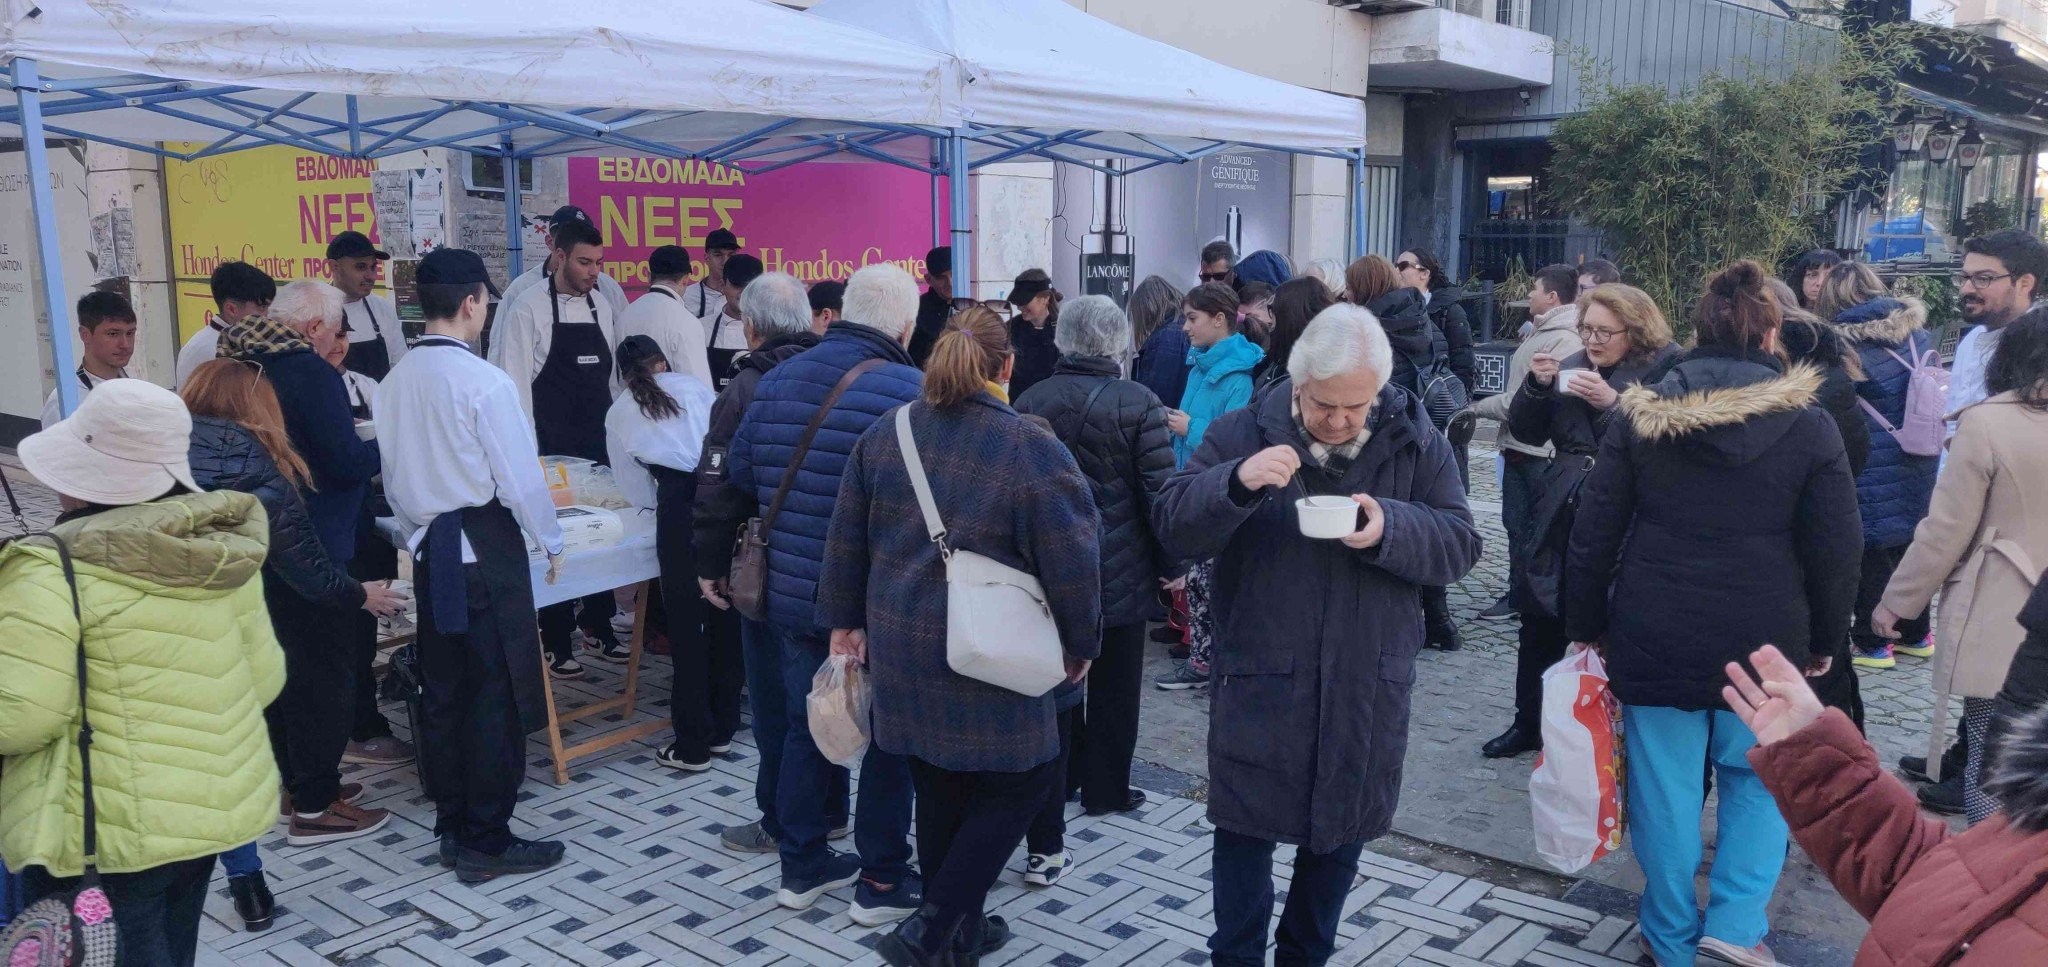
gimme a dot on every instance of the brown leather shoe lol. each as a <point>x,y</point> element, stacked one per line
<point>341,821</point>
<point>350,791</point>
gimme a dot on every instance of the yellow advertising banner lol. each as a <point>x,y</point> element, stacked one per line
<point>274,208</point>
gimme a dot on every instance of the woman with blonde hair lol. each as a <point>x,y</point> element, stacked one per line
<point>983,758</point>
<point>1569,403</point>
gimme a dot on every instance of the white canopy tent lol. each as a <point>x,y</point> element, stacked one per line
<point>942,86</point>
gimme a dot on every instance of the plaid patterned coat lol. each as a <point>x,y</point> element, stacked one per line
<point>1005,489</point>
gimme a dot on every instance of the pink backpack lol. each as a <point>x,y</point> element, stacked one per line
<point>1925,426</point>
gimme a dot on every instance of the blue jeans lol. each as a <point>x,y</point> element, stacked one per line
<point>1242,868</point>
<point>1666,794</point>
<point>771,727</point>
<point>242,860</point>
<point>804,788</point>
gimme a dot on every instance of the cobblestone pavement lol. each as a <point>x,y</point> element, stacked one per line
<point>645,881</point>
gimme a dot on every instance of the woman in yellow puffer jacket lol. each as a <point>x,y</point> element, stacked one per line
<point>180,661</point>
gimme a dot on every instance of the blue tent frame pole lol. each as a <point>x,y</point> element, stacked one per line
<point>28,93</point>
<point>515,235</point>
<point>1356,164</point>
<point>963,251</point>
<point>938,227</point>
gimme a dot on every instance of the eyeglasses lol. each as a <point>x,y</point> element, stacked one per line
<point>1214,276</point>
<point>1000,307</point>
<point>1980,280</point>
<point>252,364</point>
<point>1407,266</point>
<point>1597,337</point>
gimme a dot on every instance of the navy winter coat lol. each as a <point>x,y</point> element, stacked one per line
<point>226,456</point>
<point>1005,489</point>
<point>784,402</point>
<point>314,399</point>
<point>1124,448</point>
<point>1315,641</point>
<point>1720,516</point>
<point>1162,363</point>
<point>1895,487</point>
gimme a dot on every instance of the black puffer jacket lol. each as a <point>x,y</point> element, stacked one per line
<point>225,456</point>
<point>1404,314</point>
<point>719,511</point>
<point>1126,453</point>
<point>1456,326</point>
<point>1721,516</point>
<point>1821,347</point>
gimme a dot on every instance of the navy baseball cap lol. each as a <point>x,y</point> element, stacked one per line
<point>453,266</point>
<point>721,239</point>
<point>668,261</point>
<point>354,245</point>
<point>568,213</point>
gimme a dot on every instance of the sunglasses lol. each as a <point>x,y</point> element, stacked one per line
<point>1407,266</point>
<point>997,306</point>
<point>1213,276</point>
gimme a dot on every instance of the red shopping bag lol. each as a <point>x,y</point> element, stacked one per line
<point>1577,793</point>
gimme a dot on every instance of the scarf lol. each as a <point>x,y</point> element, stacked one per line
<point>259,336</point>
<point>1335,457</point>
<point>998,390</point>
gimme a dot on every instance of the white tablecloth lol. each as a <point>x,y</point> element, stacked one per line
<point>585,570</point>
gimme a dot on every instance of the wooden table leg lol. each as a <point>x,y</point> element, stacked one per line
<point>633,651</point>
<point>554,721</point>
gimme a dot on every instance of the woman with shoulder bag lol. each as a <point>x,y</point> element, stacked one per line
<point>982,757</point>
<point>1570,403</point>
<point>174,631</point>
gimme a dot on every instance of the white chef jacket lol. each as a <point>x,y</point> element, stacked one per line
<point>705,303</point>
<point>52,411</point>
<point>608,289</point>
<point>451,435</point>
<point>204,345</point>
<point>634,442</point>
<point>373,317</point>
<point>661,316</point>
<point>525,331</point>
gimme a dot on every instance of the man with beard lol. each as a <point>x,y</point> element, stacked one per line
<point>2001,278</point>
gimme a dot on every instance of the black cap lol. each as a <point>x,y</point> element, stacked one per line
<point>568,213</point>
<point>451,266</point>
<point>354,245</point>
<point>668,261</point>
<point>721,239</point>
<point>742,269</point>
<point>1028,285</point>
<point>633,350</point>
<point>939,261</point>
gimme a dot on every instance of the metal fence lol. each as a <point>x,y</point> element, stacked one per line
<point>1490,247</point>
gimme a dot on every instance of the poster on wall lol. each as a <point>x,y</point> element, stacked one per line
<point>275,208</point>
<point>26,376</point>
<point>815,221</point>
<point>1246,198</point>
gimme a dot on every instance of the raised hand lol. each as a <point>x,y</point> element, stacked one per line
<point>1778,705</point>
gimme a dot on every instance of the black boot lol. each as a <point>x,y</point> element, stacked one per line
<point>987,938</point>
<point>1944,797</point>
<point>1515,741</point>
<point>253,902</point>
<point>920,941</point>
<point>1443,637</point>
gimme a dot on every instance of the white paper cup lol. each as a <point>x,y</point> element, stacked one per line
<point>366,429</point>
<point>1565,377</point>
<point>1327,518</point>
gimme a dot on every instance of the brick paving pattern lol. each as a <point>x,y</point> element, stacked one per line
<point>646,882</point>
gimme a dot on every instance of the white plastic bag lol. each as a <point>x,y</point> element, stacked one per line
<point>1577,793</point>
<point>838,705</point>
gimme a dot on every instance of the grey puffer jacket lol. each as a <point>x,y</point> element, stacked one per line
<point>226,456</point>
<point>1123,447</point>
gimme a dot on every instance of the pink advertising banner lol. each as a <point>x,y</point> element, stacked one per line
<point>815,221</point>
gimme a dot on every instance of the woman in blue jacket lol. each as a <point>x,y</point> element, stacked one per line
<point>1220,365</point>
<point>1894,488</point>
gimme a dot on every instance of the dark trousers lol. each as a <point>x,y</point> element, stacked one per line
<point>881,830</point>
<point>1107,736</point>
<point>968,824</point>
<point>1048,831</point>
<point>156,911</point>
<point>1518,489</point>
<point>470,719</point>
<point>376,560</point>
<point>704,692</point>
<point>311,719</point>
<point>1436,608</point>
<point>1540,643</point>
<point>1242,867</point>
<point>594,617</point>
<point>767,703</point>
<point>1878,565</point>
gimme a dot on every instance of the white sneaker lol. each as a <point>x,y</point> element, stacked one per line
<point>1728,953</point>
<point>1041,869</point>
<point>622,625</point>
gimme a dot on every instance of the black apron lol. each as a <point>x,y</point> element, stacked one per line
<point>501,609</point>
<point>369,357</point>
<point>721,360</point>
<point>574,389</point>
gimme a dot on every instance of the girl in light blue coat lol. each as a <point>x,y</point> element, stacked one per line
<point>1220,363</point>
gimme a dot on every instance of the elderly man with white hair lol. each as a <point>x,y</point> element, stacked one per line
<point>311,722</point>
<point>789,451</point>
<point>1314,661</point>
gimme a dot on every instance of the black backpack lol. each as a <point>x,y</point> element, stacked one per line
<point>1442,393</point>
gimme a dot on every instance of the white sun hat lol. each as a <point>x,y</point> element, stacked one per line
<point>127,443</point>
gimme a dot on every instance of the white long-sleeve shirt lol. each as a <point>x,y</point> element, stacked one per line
<point>452,435</point>
<point>375,317</point>
<point>203,345</point>
<point>635,442</point>
<point>608,289</point>
<point>660,315</point>
<point>525,331</point>
<point>1966,375</point>
<point>704,302</point>
<point>54,411</point>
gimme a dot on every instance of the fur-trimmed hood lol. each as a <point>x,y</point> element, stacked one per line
<point>1734,407</point>
<point>1885,320</point>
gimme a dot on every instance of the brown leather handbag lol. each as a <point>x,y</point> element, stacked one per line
<point>749,580</point>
